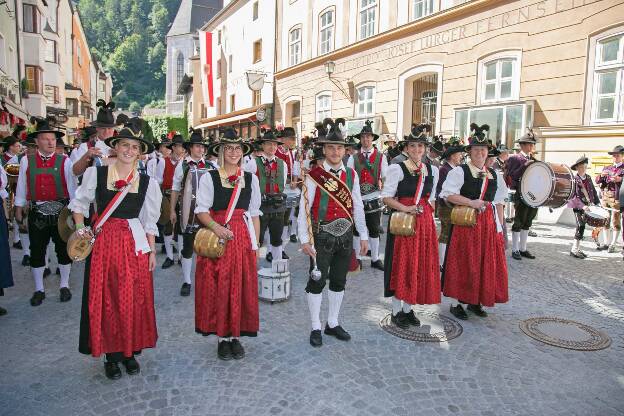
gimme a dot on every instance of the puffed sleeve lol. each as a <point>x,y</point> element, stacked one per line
<point>178,175</point>
<point>256,199</point>
<point>150,211</point>
<point>20,192</point>
<point>70,179</point>
<point>501,189</point>
<point>453,183</point>
<point>85,193</point>
<point>393,177</point>
<point>436,175</point>
<point>205,194</point>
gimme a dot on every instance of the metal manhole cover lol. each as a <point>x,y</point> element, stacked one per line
<point>433,328</point>
<point>564,333</point>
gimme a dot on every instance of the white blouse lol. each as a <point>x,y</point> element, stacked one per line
<point>455,180</point>
<point>395,175</point>
<point>148,215</point>
<point>3,184</point>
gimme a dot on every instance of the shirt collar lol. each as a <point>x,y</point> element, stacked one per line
<point>327,167</point>
<point>190,159</point>
<point>617,165</point>
<point>270,159</point>
<point>44,156</point>
<point>525,154</point>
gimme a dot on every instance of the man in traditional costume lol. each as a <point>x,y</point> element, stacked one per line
<point>610,182</point>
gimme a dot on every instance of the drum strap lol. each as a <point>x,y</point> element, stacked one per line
<point>234,197</point>
<point>484,186</point>
<point>419,189</point>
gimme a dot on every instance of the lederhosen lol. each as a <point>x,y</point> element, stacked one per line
<point>524,214</point>
<point>188,236</point>
<point>273,204</point>
<point>368,172</point>
<point>579,213</point>
<point>333,238</point>
<point>46,183</point>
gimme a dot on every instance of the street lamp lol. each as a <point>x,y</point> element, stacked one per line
<point>330,67</point>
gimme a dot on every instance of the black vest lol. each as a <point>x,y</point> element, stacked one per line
<point>222,195</point>
<point>407,187</point>
<point>471,188</point>
<point>132,202</point>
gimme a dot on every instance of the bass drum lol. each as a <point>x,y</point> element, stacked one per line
<point>188,220</point>
<point>546,184</point>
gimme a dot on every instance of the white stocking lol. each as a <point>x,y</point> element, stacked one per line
<point>168,240</point>
<point>187,265</point>
<point>37,273</point>
<point>314,305</point>
<point>335,300</point>
<point>374,248</point>
<point>65,271</point>
<point>515,241</point>
<point>524,236</point>
<point>396,306</point>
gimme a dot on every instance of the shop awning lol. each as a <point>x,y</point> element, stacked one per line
<point>15,110</point>
<point>227,120</point>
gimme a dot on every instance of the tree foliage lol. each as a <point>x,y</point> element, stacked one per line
<point>128,38</point>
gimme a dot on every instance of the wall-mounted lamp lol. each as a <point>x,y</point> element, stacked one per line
<point>330,67</point>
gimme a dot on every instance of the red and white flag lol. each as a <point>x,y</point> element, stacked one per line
<point>205,54</point>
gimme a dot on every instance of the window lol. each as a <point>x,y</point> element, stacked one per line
<point>31,18</point>
<point>52,15</point>
<point>230,64</point>
<point>326,32</point>
<point>219,37</point>
<point>500,80</point>
<point>294,47</point>
<point>257,51</point>
<point>85,110</point>
<point>421,8</point>
<point>218,75</point>
<point>365,101</point>
<point>179,69</point>
<point>608,96</point>
<point>232,102</point>
<point>50,51</point>
<point>428,103</point>
<point>255,11</point>
<point>368,9</point>
<point>34,76</point>
<point>72,107</point>
<point>52,94</point>
<point>256,98</point>
<point>323,106</point>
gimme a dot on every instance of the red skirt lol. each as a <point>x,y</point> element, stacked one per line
<point>121,294</point>
<point>415,267</point>
<point>226,289</point>
<point>475,270</point>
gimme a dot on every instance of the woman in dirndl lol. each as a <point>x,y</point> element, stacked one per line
<point>226,297</point>
<point>6,272</point>
<point>475,269</point>
<point>118,317</point>
<point>412,268</point>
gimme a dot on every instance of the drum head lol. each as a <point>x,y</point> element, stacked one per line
<point>536,185</point>
<point>597,212</point>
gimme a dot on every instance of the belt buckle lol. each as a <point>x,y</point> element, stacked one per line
<point>337,228</point>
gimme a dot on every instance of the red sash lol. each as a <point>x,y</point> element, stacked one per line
<point>336,189</point>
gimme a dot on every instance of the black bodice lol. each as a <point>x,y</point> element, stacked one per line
<point>471,188</point>
<point>222,195</point>
<point>407,187</point>
<point>132,202</point>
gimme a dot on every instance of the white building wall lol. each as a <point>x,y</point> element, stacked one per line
<point>184,44</point>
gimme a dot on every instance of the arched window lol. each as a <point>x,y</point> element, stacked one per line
<point>294,46</point>
<point>179,69</point>
<point>326,32</point>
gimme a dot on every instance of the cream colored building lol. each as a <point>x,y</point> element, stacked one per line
<point>556,65</point>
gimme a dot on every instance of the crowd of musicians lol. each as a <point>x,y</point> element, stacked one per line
<point>213,202</point>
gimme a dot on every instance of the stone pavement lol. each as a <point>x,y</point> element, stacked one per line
<point>491,369</point>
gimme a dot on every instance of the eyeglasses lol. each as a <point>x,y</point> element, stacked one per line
<point>229,148</point>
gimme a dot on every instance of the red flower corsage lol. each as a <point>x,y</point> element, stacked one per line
<point>120,184</point>
<point>232,179</point>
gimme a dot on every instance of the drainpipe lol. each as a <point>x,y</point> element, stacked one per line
<point>274,68</point>
<point>19,55</point>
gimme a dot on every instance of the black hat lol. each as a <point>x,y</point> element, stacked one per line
<point>229,137</point>
<point>321,128</point>
<point>502,148</point>
<point>17,130</point>
<point>579,161</point>
<point>334,132</point>
<point>418,134</point>
<point>132,131</point>
<point>493,152</point>
<point>9,141</point>
<point>438,146</point>
<point>61,143</point>
<point>45,125</point>
<point>477,136</point>
<point>351,141</point>
<point>87,132</point>
<point>367,128</point>
<point>122,119</point>
<point>287,132</point>
<point>196,137</point>
<point>617,150</point>
<point>529,137</point>
<point>177,139</point>
<point>105,116</point>
<point>269,136</point>
<point>164,141</point>
<point>455,146</point>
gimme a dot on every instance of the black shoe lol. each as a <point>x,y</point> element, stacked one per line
<point>17,245</point>
<point>269,257</point>
<point>578,255</point>
<point>368,253</point>
<point>477,310</point>
<point>57,272</point>
<point>2,311</point>
<point>26,260</point>
<point>377,265</point>
<point>400,320</point>
<point>132,366</point>
<point>337,332</point>
<point>47,272</point>
<point>602,247</point>
<point>185,290</point>
<point>411,318</point>
<point>163,250</point>
<point>527,254</point>
<point>179,262</point>
<point>224,351</point>
<point>360,267</point>
<point>37,298</point>
<point>112,371</point>
<point>293,238</point>
<point>459,312</point>
<point>532,234</point>
<point>582,253</point>
<point>285,256</point>
<point>516,255</point>
<point>65,294</point>
<point>316,339</point>
<point>238,352</point>
<point>167,263</point>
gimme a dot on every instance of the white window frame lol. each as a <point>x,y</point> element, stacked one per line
<point>516,58</point>
<point>428,7</point>
<point>367,29</point>
<point>327,45</point>
<point>294,47</point>
<point>599,68</point>
<point>321,113</point>
<point>364,103</point>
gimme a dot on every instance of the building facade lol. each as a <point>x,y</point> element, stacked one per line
<point>78,95</point>
<point>554,65</point>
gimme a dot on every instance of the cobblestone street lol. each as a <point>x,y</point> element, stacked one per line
<point>492,369</point>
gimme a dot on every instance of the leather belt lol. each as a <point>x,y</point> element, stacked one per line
<point>336,228</point>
